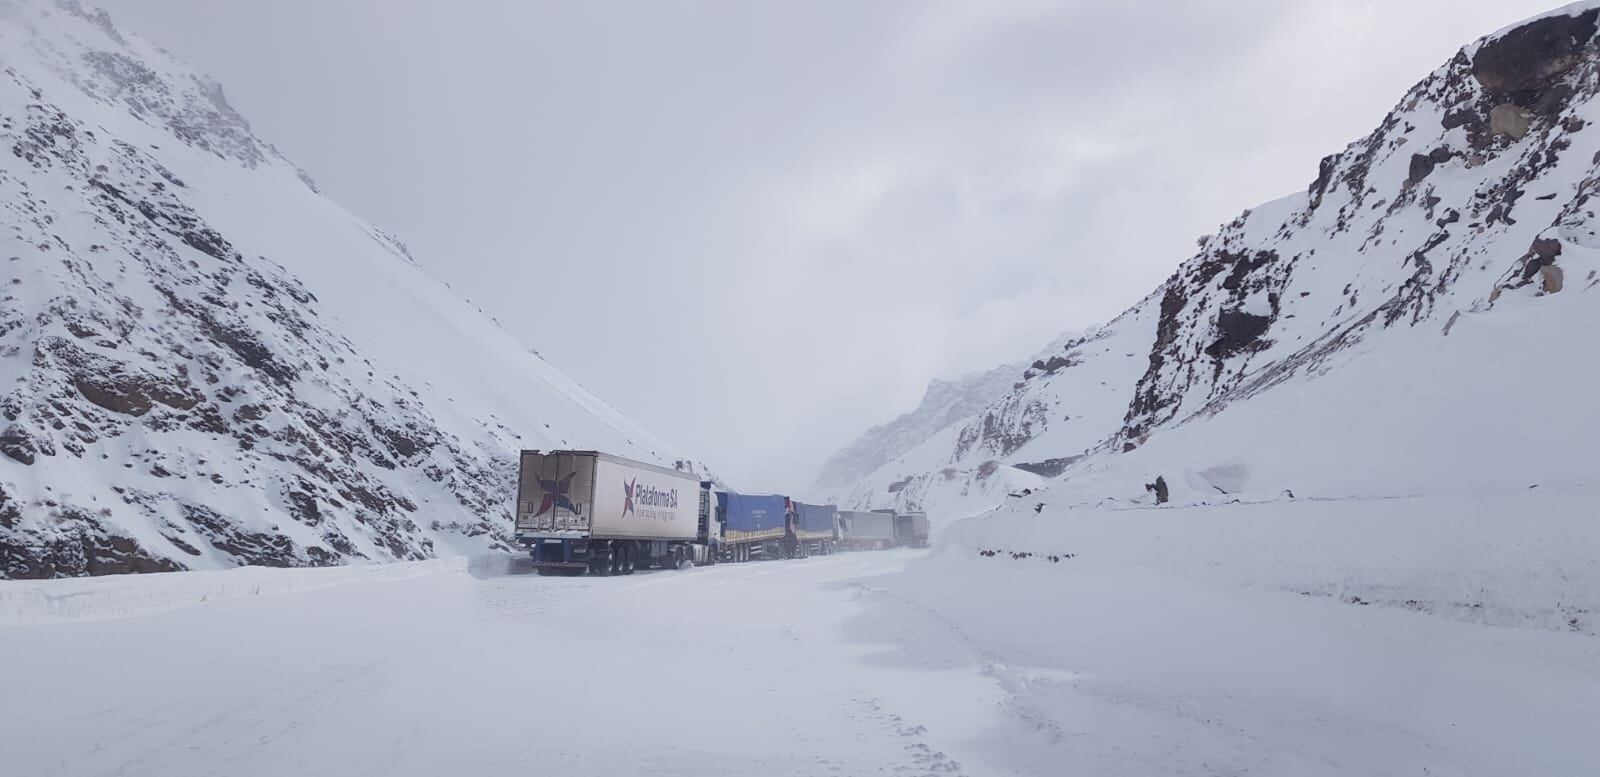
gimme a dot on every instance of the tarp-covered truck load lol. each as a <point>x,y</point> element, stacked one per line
<point>817,527</point>
<point>589,511</point>
<point>816,520</point>
<point>754,525</point>
<point>867,531</point>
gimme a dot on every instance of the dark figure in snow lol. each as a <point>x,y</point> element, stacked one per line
<point>791,540</point>
<point>1159,488</point>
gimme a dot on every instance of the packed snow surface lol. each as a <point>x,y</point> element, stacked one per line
<point>1158,646</point>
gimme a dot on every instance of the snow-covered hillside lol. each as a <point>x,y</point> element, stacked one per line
<point>1418,320</point>
<point>204,362</point>
<point>944,403</point>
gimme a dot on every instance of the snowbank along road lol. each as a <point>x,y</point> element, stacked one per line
<point>857,664</point>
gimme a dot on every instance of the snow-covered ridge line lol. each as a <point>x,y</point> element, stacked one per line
<point>1570,9</point>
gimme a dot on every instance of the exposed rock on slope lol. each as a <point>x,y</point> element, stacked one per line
<point>1479,184</point>
<point>1277,293</point>
<point>204,363</point>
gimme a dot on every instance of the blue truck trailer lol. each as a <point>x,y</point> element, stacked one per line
<point>816,528</point>
<point>755,525</point>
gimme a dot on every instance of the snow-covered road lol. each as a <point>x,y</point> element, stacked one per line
<point>727,670</point>
<point>858,664</point>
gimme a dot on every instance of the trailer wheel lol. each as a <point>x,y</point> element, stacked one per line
<point>627,560</point>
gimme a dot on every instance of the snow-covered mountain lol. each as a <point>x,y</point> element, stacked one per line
<point>1420,318</point>
<point>204,362</point>
<point>944,403</point>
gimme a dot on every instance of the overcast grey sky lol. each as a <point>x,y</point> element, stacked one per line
<point>837,201</point>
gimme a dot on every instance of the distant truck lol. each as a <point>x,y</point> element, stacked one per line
<point>866,531</point>
<point>755,525</point>
<point>588,512</point>
<point>816,528</point>
<point>911,530</point>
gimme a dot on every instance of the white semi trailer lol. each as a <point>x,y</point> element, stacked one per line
<point>867,531</point>
<point>589,512</point>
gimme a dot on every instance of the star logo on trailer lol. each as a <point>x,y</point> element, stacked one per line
<point>557,494</point>
<point>627,496</point>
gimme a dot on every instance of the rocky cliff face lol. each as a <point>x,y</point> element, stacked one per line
<point>1479,184</point>
<point>204,363</point>
<point>1471,186</point>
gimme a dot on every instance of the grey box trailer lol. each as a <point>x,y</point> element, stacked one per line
<point>867,530</point>
<point>911,530</point>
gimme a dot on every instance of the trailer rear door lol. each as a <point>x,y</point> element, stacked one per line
<point>555,492</point>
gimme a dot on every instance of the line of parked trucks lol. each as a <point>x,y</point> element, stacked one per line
<point>585,512</point>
